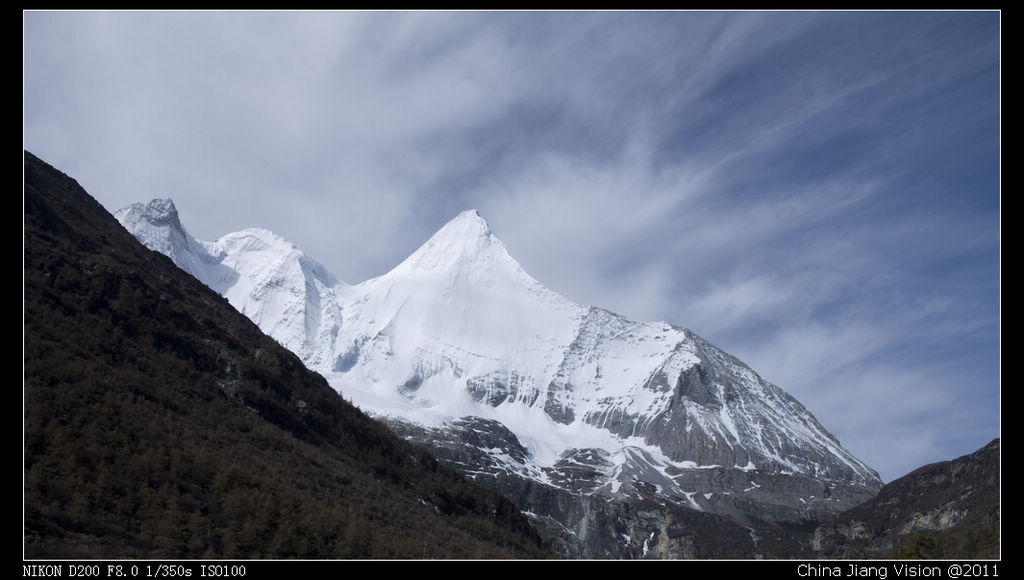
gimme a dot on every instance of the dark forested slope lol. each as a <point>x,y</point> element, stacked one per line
<point>161,423</point>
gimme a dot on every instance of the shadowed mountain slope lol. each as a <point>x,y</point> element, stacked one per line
<point>161,423</point>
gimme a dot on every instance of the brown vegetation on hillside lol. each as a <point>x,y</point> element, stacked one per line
<point>161,423</point>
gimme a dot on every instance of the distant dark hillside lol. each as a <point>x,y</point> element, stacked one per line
<point>944,510</point>
<point>161,423</point>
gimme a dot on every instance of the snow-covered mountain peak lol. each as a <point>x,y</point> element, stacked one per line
<point>157,221</point>
<point>157,211</point>
<point>470,218</point>
<point>154,209</point>
<point>464,244</point>
<point>156,224</point>
<point>459,330</point>
<point>454,309</point>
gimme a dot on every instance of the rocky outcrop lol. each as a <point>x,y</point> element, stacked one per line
<point>949,509</point>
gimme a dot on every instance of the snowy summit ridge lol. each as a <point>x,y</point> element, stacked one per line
<point>459,337</point>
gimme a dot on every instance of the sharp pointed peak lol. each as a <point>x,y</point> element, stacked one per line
<point>469,214</point>
<point>469,227</point>
<point>464,243</point>
<point>470,218</point>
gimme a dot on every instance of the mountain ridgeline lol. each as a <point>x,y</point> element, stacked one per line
<point>619,438</point>
<point>161,423</point>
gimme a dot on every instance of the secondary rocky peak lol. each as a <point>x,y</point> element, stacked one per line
<point>162,207</point>
<point>158,212</point>
<point>157,225</point>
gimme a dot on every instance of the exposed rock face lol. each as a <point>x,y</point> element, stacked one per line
<point>590,504</point>
<point>949,509</point>
<point>575,521</point>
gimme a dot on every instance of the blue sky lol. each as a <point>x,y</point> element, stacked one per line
<point>817,193</point>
